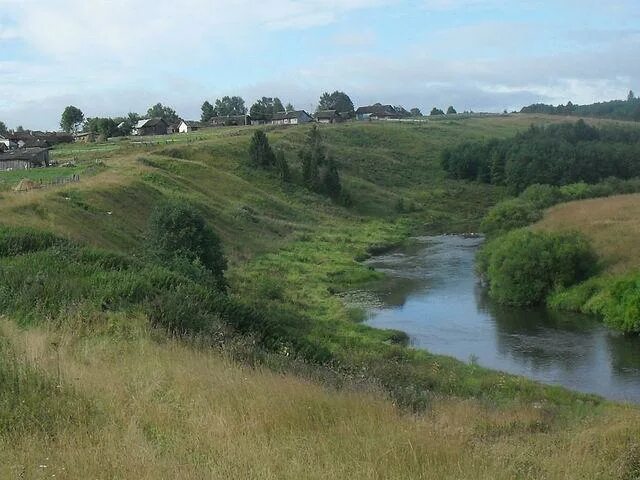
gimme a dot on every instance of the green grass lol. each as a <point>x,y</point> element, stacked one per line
<point>9,180</point>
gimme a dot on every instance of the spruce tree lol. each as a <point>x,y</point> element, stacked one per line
<point>331,180</point>
<point>260,151</point>
<point>282,167</point>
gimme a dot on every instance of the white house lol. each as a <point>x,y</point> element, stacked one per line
<point>187,126</point>
<point>294,117</point>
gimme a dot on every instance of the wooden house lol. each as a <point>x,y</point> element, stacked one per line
<point>24,158</point>
<point>150,126</point>
<point>295,117</point>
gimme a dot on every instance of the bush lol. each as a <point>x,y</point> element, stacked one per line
<point>509,215</point>
<point>542,196</point>
<point>177,230</point>
<point>524,267</point>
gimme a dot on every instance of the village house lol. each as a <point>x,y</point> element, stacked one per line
<point>377,112</point>
<point>329,116</point>
<point>24,159</point>
<point>150,126</point>
<point>7,143</point>
<point>294,117</point>
<point>231,120</point>
<point>85,137</point>
<point>188,126</point>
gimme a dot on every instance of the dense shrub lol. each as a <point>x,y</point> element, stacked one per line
<point>509,215</point>
<point>178,231</point>
<point>524,267</point>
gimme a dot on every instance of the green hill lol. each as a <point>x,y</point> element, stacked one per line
<point>89,370</point>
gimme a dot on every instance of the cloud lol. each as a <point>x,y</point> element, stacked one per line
<point>112,56</point>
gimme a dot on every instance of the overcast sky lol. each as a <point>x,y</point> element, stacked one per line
<point>109,57</point>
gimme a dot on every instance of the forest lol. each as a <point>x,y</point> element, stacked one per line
<point>557,154</point>
<point>615,109</point>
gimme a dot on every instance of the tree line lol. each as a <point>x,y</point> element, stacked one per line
<point>628,109</point>
<point>554,155</point>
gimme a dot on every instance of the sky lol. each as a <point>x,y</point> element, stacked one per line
<point>110,57</point>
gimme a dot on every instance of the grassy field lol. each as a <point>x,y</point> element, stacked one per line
<point>165,409</point>
<point>106,396</point>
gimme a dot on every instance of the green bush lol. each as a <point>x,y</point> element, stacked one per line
<point>509,215</point>
<point>178,231</point>
<point>542,196</point>
<point>524,267</point>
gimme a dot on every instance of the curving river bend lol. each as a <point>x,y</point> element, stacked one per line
<point>432,293</point>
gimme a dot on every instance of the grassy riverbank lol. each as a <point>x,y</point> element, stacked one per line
<point>156,406</point>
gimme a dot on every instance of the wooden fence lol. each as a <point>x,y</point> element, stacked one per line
<point>27,185</point>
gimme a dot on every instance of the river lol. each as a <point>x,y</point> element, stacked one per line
<point>431,292</point>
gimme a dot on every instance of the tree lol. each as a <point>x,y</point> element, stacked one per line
<point>277,106</point>
<point>310,170</point>
<point>105,127</point>
<point>265,108</point>
<point>282,167</point>
<point>3,128</point>
<point>415,112</point>
<point>227,106</point>
<point>208,112</point>
<point>289,108</point>
<point>19,129</point>
<point>451,111</point>
<point>339,101</point>
<point>312,156</point>
<point>436,111</point>
<point>260,152</point>
<point>631,96</point>
<point>178,231</point>
<point>331,180</point>
<point>72,118</point>
<point>160,111</point>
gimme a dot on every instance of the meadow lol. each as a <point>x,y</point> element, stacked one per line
<point>108,394</point>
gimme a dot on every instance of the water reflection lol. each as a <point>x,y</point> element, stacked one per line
<point>433,295</point>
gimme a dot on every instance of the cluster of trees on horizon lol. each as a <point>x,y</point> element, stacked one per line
<point>628,109</point>
<point>554,155</point>
<point>73,119</point>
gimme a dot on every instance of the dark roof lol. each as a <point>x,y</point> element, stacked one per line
<point>328,114</point>
<point>379,110</point>
<point>150,122</point>
<point>28,154</point>
<point>193,123</point>
<point>290,115</point>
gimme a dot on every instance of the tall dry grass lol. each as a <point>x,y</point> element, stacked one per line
<point>164,409</point>
<point>612,224</point>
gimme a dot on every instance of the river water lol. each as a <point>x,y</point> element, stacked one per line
<point>432,293</point>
